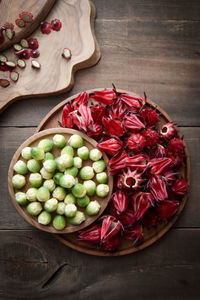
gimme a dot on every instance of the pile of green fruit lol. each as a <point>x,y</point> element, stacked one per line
<point>59,185</point>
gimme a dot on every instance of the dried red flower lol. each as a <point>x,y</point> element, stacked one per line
<point>109,228</point>
<point>111,146</point>
<point>23,54</point>
<point>113,127</point>
<point>94,130</point>
<point>150,218</point>
<point>151,136</point>
<point>106,96</point>
<point>157,187</point>
<point>127,217</point>
<point>159,165</point>
<point>66,118</point>
<point>120,200</point>
<point>138,162</point>
<point>135,234</point>
<point>45,27</point>
<point>132,123</point>
<point>136,142</point>
<point>91,234</point>
<point>133,103</point>
<point>26,16</point>
<point>8,25</point>
<point>176,145</point>
<point>117,110</point>
<point>82,98</point>
<point>177,158</point>
<point>34,53</point>
<point>129,180</point>
<point>169,176</point>
<point>141,203</point>
<point>168,131</point>
<point>180,186</point>
<point>98,111</point>
<point>166,209</point>
<point>33,43</point>
<point>160,151</point>
<point>111,244</point>
<point>86,115</point>
<point>78,120</point>
<point>56,24</point>
<point>149,116</point>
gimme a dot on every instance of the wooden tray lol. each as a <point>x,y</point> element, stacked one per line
<point>32,142</point>
<point>150,235</point>
<point>10,10</point>
<point>56,74</point>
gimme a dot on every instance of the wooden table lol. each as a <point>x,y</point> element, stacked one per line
<point>146,45</point>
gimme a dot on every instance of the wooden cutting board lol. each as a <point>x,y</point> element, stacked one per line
<point>56,74</point>
<point>10,10</point>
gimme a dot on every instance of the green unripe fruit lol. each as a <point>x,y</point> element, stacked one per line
<point>31,194</point>
<point>76,141</point>
<point>102,177</point>
<point>67,150</point>
<point>51,205</point>
<point>82,202</point>
<point>86,173</point>
<point>45,174</point>
<point>18,181</point>
<point>83,153</point>
<point>34,208</point>
<point>21,198</point>
<point>50,185</point>
<point>70,210</point>
<point>102,190</point>
<point>43,194</point>
<point>60,208</point>
<point>93,208</point>
<point>37,153</point>
<point>44,218</point>
<point>48,156</point>
<point>90,187</point>
<point>35,180</point>
<point>20,167</point>
<point>73,171</point>
<point>57,177</point>
<point>46,145</point>
<point>70,199</point>
<point>66,160</point>
<point>60,164</point>
<point>67,181</point>
<point>26,153</point>
<point>59,222</point>
<point>33,165</point>
<point>79,190</point>
<point>99,166</point>
<point>95,154</point>
<point>77,162</point>
<point>50,165</point>
<point>77,219</point>
<point>59,193</point>
<point>59,140</point>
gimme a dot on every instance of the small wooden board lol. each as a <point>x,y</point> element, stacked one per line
<point>10,10</point>
<point>150,235</point>
<point>33,142</point>
<point>56,74</point>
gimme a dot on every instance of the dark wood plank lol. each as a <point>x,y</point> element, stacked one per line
<point>40,267</point>
<point>11,138</point>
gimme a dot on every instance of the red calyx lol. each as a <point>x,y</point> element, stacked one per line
<point>98,111</point>
<point>33,43</point>
<point>78,120</point>
<point>136,142</point>
<point>117,110</point>
<point>127,217</point>
<point>91,235</point>
<point>157,187</point>
<point>82,98</point>
<point>86,114</point>
<point>45,27</point>
<point>3,67</point>
<point>129,180</point>
<point>20,23</point>
<point>34,53</point>
<point>120,200</point>
<point>26,17</point>
<point>138,162</point>
<point>141,203</point>
<point>160,151</point>
<point>112,126</point>
<point>159,165</point>
<point>109,228</point>
<point>169,176</point>
<point>111,244</point>
<point>150,218</point>
<point>106,96</point>
<point>175,145</point>
<point>151,136</point>
<point>66,118</point>
<point>168,131</point>
<point>149,116</point>
<point>177,158</point>
<point>118,162</point>
<point>132,123</point>
<point>135,234</point>
<point>8,25</point>
<point>180,186</point>
<point>56,24</point>
<point>111,146</point>
<point>166,209</point>
<point>133,103</point>
<point>94,130</point>
<point>23,54</point>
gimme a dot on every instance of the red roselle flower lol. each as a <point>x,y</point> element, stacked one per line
<point>78,120</point>
<point>56,24</point>
<point>111,244</point>
<point>91,235</point>
<point>141,203</point>
<point>111,146</point>
<point>109,228</point>
<point>138,162</point>
<point>127,217</point>
<point>177,158</point>
<point>66,118</point>
<point>180,186</point>
<point>168,131</point>
<point>159,165</point>
<point>98,111</point>
<point>169,176</point>
<point>157,187</point>
<point>118,162</point>
<point>175,145</point>
<point>106,96</point>
<point>150,219</point>
<point>33,43</point>
<point>132,123</point>
<point>45,27</point>
<point>151,136</point>
<point>113,127</point>
<point>120,201</point>
<point>166,209</point>
<point>149,116</point>
<point>160,151</point>
<point>129,180</point>
<point>86,115</point>
<point>136,142</point>
<point>135,234</point>
<point>133,103</point>
<point>117,110</point>
<point>94,130</point>
<point>82,98</point>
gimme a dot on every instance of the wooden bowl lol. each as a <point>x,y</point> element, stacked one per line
<point>150,235</point>
<point>32,142</point>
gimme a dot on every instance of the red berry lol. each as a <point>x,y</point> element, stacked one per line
<point>33,43</point>
<point>26,17</point>
<point>56,25</point>
<point>136,142</point>
<point>46,28</point>
<point>151,136</point>
<point>35,53</point>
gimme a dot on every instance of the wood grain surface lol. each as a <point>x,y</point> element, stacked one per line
<point>10,10</point>
<point>57,73</point>
<point>146,45</point>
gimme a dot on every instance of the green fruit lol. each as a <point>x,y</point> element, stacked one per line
<point>83,153</point>
<point>57,177</point>
<point>77,162</point>
<point>59,222</point>
<point>31,194</point>
<point>67,181</point>
<point>70,199</point>
<point>44,218</point>
<point>93,208</point>
<point>34,208</point>
<point>59,140</point>
<point>18,181</point>
<point>45,174</point>
<point>49,184</point>
<point>35,179</point>
<point>67,150</point>
<point>59,193</point>
<point>46,145</point>
<point>76,141</point>
<point>79,190</point>
<point>48,156</point>
<point>33,165</point>
<point>82,202</point>
<point>102,190</point>
<point>60,208</point>
<point>43,194</point>
<point>50,165</point>
<point>21,198</point>
<point>37,153</point>
<point>20,167</point>
<point>26,153</point>
<point>95,154</point>
<point>86,173</point>
<point>102,177</point>
<point>73,171</point>
<point>77,219</point>
<point>70,210</point>
<point>99,166</point>
<point>51,205</point>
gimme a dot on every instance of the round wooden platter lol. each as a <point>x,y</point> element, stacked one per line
<point>150,235</point>
<point>57,73</point>
<point>32,142</point>
<point>10,10</point>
